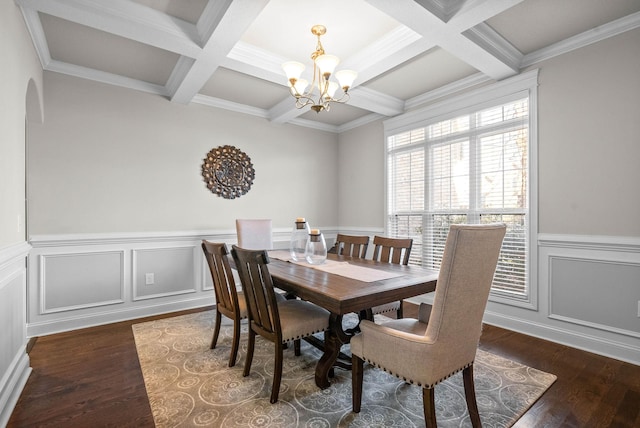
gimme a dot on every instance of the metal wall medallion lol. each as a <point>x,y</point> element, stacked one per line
<point>228,172</point>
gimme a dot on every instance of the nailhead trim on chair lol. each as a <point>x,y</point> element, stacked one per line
<point>418,384</point>
<point>302,336</point>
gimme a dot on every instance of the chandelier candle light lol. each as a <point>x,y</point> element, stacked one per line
<point>323,67</point>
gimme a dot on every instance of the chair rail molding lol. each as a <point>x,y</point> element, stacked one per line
<point>94,279</point>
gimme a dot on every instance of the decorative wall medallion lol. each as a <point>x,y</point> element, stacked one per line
<point>228,172</point>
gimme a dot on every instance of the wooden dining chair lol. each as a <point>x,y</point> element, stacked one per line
<point>351,245</point>
<point>254,234</point>
<point>277,321</point>
<point>391,250</point>
<point>229,302</point>
<point>444,338</point>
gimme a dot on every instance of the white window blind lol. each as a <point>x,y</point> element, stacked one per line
<point>469,168</point>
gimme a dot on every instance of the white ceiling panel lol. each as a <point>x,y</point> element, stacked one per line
<point>230,52</point>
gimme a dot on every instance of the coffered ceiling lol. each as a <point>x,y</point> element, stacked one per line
<point>228,53</point>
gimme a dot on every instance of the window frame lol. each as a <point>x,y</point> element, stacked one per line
<point>520,86</point>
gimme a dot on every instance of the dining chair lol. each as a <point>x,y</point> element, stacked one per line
<point>391,250</point>
<point>254,234</point>
<point>277,321</point>
<point>444,338</point>
<point>229,302</point>
<point>351,245</point>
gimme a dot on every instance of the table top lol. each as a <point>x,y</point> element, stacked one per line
<point>341,295</point>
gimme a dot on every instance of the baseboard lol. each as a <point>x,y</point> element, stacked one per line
<point>12,385</point>
<point>107,317</point>
<point>585,342</point>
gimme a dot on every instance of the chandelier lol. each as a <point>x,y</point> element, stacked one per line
<point>321,92</point>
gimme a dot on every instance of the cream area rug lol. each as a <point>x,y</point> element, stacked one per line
<point>191,385</point>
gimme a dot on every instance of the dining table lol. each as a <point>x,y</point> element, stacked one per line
<point>345,285</point>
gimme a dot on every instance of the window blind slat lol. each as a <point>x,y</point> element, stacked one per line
<point>472,168</point>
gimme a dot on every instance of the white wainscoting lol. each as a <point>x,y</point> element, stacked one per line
<point>78,281</point>
<point>14,360</point>
<point>588,287</point>
<point>588,293</point>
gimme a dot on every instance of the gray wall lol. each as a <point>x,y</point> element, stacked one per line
<point>108,161</point>
<point>111,160</point>
<point>589,139</point>
<point>587,290</point>
<point>20,83</point>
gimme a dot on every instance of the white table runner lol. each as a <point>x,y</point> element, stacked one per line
<point>345,269</point>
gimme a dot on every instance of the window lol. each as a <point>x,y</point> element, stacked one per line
<point>471,165</point>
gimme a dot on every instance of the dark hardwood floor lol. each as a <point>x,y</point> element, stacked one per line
<point>92,378</point>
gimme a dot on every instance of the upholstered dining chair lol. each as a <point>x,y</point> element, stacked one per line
<point>254,234</point>
<point>352,245</point>
<point>444,338</point>
<point>391,250</point>
<point>229,302</point>
<point>277,321</point>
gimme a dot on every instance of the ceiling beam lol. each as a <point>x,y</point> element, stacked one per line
<point>420,17</point>
<point>224,25</point>
<point>127,19</point>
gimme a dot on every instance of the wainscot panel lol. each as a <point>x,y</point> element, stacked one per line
<point>78,281</point>
<point>589,296</point>
<point>14,360</point>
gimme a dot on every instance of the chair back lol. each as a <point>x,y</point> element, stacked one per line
<point>352,246</point>
<point>217,255</point>
<point>254,234</point>
<point>259,293</point>
<point>468,265</point>
<point>392,250</point>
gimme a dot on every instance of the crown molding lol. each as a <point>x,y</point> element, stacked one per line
<point>312,124</point>
<point>376,102</point>
<point>104,77</point>
<point>581,40</point>
<point>230,105</point>
<point>256,62</point>
<point>34,26</point>
<point>447,90</point>
<point>489,39</point>
<point>361,121</point>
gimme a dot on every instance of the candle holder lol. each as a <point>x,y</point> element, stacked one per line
<point>299,238</point>
<point>316,250</point>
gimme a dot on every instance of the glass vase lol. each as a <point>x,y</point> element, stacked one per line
<point>316,252</point>
<point>299,238</point>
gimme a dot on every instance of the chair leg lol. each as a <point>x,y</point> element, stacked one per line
<point>470,396</point>
<point>277,373</point>
<point>296,347</point>
<point>429,403</point>
<point>216,330</point>
<point>249,358</point>
<point>356,382</point>
<point>235,344</point>
<point>399,312</point>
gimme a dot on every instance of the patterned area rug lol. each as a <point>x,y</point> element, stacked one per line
<point>191,385</point>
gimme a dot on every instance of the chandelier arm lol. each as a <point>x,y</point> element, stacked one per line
<point>320,80</point>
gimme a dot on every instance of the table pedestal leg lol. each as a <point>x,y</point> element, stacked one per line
<point>334,338</point>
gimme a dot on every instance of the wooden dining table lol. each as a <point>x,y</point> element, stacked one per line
<point>342,295</point>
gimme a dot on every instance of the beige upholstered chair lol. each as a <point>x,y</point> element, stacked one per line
<point>351,245</point>
<point>229,302</point>
<point>277,321</point>
<point>254,234</point>
<point>391,250</point>
<point>444,338</point>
